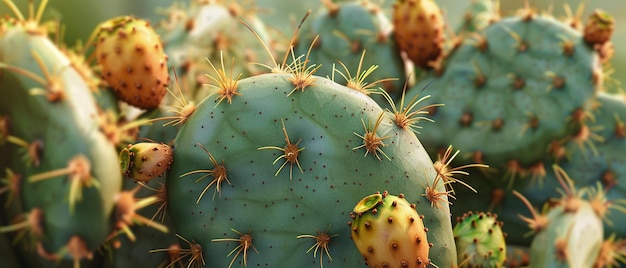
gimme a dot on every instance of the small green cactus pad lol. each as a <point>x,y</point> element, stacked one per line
<point>207,30</point>
<point>480,239</point>
<point>571,239</point>
<point>510,91</point>
<point>288,156</point>
<point>340,33</point>
<point>478,15</point>
<point>389,232</point>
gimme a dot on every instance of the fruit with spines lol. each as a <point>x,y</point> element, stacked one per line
<point>479,238</point>
<point>599,28</point>
<point>419,30</point>
<point>132,61</point>
<point>144,161</point>
<point>389,232</point>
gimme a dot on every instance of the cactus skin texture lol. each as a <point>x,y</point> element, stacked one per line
<point>123,252</point>
<point>389,232</point>
<point>8,258</point>
<point>480,239</point>
<point>322,167</point>
<point>344,31</point>
<point>69,174</point>
<point>419,30</point>
<point>478,16</point>
<point>133,63</point>
<point>510,92</point>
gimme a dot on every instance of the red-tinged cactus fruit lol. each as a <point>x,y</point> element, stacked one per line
<point>419,30</point>
<point>599,27</point>
<point>389,232</point>
<point>133,63</point>
<point>145,160</point>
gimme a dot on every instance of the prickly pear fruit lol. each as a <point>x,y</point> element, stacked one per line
<point>479,238</point>
<point>133,63</point>
<point>145,160</point>
<point>419,30</point>
<point>599,27</point>
<point>389,232</point>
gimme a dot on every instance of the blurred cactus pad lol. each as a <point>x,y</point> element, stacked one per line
<point>312,133</point>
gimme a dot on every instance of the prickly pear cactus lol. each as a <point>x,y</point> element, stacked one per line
<point>388,231</point>
<point>511,93</point>
<point>133,63</point>
<point>271,169</point>
<point>202,31</point>
<point>478,16</point>
<point>353,43</point>
<point>68,175</point>
<point>480,240</point>
<point>595,157</point>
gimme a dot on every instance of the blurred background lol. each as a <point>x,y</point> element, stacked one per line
<point>81,17</point>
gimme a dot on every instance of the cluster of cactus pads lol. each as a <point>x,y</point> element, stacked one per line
<point>211,140</point>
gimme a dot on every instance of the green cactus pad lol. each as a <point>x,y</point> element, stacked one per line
<point>71,174</point>
<point>340,32</point>
<point>510,91</point>
<point>570,240</point>
<point>235,151</point>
